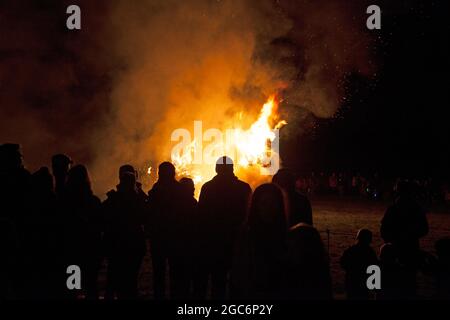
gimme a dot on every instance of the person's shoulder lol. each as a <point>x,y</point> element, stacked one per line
<point>111,196</point>
<point>95,200</point>
<point>300,196</point>
<point>244,185</point>
<point>207,184</point>
<point>352,249</point>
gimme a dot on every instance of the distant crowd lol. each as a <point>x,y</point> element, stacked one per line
<point>234,242</point>
<point>370,186</point>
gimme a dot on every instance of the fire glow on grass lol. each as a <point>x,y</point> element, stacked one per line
<point>251,149</point>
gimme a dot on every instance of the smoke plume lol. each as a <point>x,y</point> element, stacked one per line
<point>113,92</point>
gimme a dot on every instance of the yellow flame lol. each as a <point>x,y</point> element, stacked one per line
<point>251,147</point>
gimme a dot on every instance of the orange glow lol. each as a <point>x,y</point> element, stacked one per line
<point>249,148</point>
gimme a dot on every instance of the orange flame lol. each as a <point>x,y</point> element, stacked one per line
<point>248,148</point>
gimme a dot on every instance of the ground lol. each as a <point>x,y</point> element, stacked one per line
<point>343,218</point>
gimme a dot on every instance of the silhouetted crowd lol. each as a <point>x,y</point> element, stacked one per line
<point>370,186</point>
<point>232,243</point>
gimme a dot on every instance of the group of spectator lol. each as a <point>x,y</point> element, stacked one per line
<point>232,242</point>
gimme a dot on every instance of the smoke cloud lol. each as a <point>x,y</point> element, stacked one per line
<point>113,92</point>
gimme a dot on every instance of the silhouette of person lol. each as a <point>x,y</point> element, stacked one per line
<point>222,208</point>
<point>298,204</point>
<point>185,252</point>
<point>403,224</point>
<point>259,264</point>
<point>14,194</point>
<point>40,236</point>
<point>394,281</point>
<point>355,261</point>
<point>82,225</point>
<point>125,210</point>
<point>308,266</point>
<point>129,168</point>
<point>443,268</point>
<point>165,207</point>
<point>333,183</point>
<point>60,167</point>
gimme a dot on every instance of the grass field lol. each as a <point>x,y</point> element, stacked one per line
<point>344,217</point>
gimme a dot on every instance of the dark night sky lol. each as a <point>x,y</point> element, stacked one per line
<point>394,123</point>
<point>397,124</point>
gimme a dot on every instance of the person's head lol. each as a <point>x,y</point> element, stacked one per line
<point>224,166</point>
<point>285,179</point>
<point>10,156</point>
<point>166,172</point>
<point>187,185</point>
<point>61,165</point>
<point>126,168</point>
<point>78,181</point>
<point>267,209</point>
<point>128,181</point>
<point>310,248</point>
<point>388,253</point>
<point>42,180</point>
<point>364,237</point>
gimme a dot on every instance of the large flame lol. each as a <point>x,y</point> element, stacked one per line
<point>250,149</point>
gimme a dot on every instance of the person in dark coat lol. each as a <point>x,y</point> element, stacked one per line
<point>308,266</point>
<point>15,183</point>
<point>125,211</point>
<point>298,204</point>
<point>443,268</point>
<point>41,238</point>
<point>222,208</point>
<point>403,224</point>
<point>61,165</point>
<point>394,275</point>
<point>259,264</point>
<point>187,247</point>
<point>355,261</point>
<point>165,207</point>
<point>81,226</point>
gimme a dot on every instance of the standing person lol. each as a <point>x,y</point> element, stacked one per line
<point>394,279</point>
<point>61,165</point>
<point>125,210</point>
<point>403,224</point>
<point>40,235</point>
<point>165,207</point>
<point>14,193</point>
<point>259,264</point>
<point>333,183</point>
<point>186,249</point>
<point>222,209</point>
<point>355,261</point>
<point>298,204</point>
<point>81,227</point>
<point>443,268</point>
<point>308,266</point>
